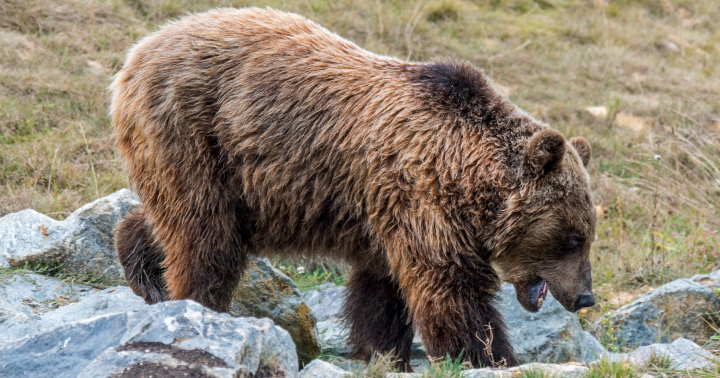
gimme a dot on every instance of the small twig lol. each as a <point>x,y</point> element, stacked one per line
<point>488,348</point>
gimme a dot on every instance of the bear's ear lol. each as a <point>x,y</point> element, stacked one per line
<point>583,149</point>
<point>545,151</point>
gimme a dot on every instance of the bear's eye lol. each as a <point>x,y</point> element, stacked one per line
<point>574,245</point>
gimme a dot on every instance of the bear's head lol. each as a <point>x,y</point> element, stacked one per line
<point>550,224</point>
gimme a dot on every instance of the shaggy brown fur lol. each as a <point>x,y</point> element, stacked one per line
<point>255,131</point>
<point>141,258</point>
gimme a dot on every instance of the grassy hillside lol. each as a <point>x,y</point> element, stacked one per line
<point>652,64</point>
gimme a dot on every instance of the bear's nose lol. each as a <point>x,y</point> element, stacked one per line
<point>586,300</point>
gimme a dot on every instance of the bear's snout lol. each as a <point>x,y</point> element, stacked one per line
<point>584,300</point>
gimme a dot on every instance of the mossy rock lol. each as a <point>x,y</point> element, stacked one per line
<point>265,292</point>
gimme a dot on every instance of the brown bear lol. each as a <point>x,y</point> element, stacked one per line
<point>254,131</point>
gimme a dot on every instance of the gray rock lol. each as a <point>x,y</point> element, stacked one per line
<point>26,319</point>
<point>681,308</point>
<point>82,244</point>
<point>109,301</point>
<point>545,370</point>
<point>333,337</point>
<point>347,364</point>
<point>90,239</point>
<point>683,355</point>
<point>27,234</point>
<point>25,297</point>
<point>326,301</point>
<point>552,335</point>
<point>592,348</point>
<point>420,364</point>
<point>322,369</point>
<point>169,337</point>
<point>266,292</point>
<point>418,349</point>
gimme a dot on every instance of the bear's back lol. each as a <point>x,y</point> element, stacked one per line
<point>299,116</point>
<point>245,72</point>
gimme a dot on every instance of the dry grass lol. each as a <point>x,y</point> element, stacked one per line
<point>378,367</point>
<point>652,61</point>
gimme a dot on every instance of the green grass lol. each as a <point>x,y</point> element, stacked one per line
<point>446,368</point>
<point>608,369</point>
<point>308,275</point>
<point>657,367</point>
<point>378,367</point>
<point>659,217</point>
<point>609,338</point>
<point>8,273</point>
<point>58,273</point>
<point>535,373</point>
<point>68,282</point>
<point>660,363</point>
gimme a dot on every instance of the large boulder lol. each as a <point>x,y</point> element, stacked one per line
<point>84,244</point>
<point>552,335</point>
<point>682,308</point>
<point>31,303</point>
<point>266,292</point>
<point>171,338</point>
<point>81,244</point>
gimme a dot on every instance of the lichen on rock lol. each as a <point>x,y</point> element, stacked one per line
<point>266,292</point>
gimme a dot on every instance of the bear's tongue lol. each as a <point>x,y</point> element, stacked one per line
<point>538,292</point>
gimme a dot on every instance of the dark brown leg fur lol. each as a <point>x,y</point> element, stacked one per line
<point>376,314</point>
<point>456,316</point>
<point>141,258</point>
<point>205,250</point>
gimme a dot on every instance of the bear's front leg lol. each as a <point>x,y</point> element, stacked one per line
<point>452,310</point>
<point>377,315</point>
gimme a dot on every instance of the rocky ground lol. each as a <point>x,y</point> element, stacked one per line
<point>52,325</point>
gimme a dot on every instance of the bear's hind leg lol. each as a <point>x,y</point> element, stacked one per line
<point>376,314</point>
<point>205,253</point>
<point>141,258</point>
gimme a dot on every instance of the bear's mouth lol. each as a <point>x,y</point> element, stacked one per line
<point>537,293</point>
